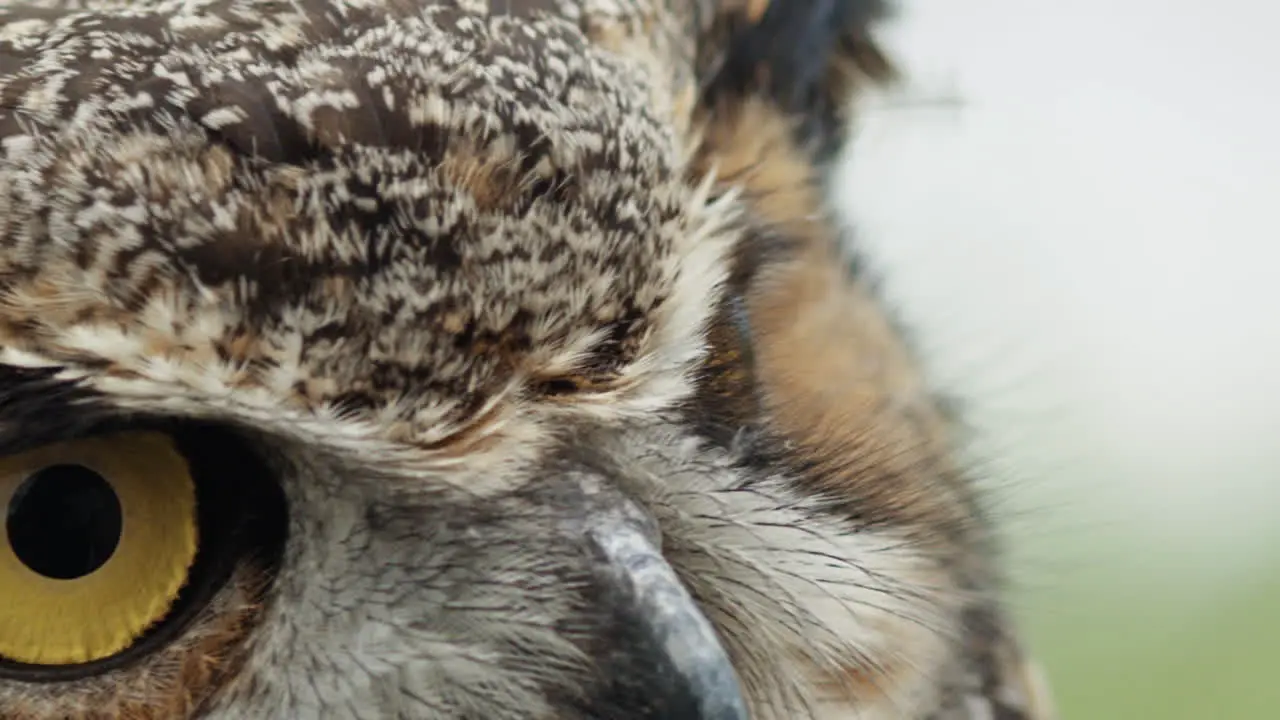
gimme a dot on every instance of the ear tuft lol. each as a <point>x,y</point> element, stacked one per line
<point>808,58</point>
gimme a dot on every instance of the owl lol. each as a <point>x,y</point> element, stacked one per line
<point>471,360</point>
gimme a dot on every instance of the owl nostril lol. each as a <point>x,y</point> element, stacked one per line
<point>676,666</point>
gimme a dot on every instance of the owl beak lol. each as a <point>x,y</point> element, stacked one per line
<point>673,649</point>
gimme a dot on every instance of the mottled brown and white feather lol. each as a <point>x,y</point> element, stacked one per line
<point>425,253</point>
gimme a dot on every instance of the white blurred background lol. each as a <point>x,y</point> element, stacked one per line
<point>1088,248</point>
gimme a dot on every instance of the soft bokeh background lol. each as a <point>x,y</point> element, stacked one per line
<point>1089,250</point>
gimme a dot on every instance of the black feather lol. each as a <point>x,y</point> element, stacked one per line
<point>36,407</point>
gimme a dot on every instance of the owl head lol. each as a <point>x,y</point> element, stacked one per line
<point>465,359</point>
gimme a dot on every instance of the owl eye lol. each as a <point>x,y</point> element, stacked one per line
<point>112,544</point>
<point>100,535</point>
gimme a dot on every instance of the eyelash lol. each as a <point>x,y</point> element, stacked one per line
<point>241,518</point>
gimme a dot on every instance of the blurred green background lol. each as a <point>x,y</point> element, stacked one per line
<point>1117,647</point>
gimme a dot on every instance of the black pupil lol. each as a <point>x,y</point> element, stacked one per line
<point>64,521</point>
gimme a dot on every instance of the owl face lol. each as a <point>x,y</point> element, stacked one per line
<point>464,360</point>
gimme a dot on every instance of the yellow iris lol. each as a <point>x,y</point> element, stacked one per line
<point>100,534</point>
